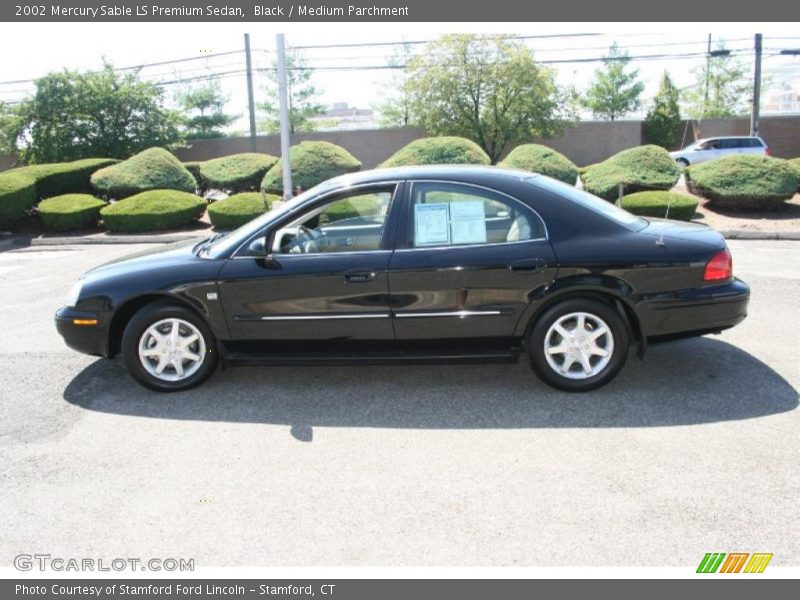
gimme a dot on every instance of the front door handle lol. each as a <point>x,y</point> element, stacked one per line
<point>527,265</point>
<point>359,276</point>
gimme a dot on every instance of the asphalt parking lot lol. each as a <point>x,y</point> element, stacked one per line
<point>695,449</point>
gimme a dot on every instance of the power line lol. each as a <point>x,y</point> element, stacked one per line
<point>143,65</point>
<point>418,42</point>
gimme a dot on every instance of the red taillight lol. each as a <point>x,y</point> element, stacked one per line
<point>719,267</point>
<point>767,152</point>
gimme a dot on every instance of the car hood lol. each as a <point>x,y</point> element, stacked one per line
<point>169,255</point>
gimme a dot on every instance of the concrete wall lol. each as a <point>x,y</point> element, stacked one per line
<point>7,161</point>
<point>370,146</point>
<point>586,143</point>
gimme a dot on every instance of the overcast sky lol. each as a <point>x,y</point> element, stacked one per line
<point>50,46</point>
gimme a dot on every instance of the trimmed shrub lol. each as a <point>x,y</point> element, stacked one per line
<point>70,211</point>
<point>543,160</point>
<point>237,172</point>
<point>640,169</point>
<point>312,163</point>
<point>152,211</point>
<point>654,204</point>
<point>744,181</point>
<point>795,162</point>
<point>193,166</point>
<point>56,179</point>
<point>153,169</point>
<point>238,209</point>
<point>17,196</point>
<point>445,150</point>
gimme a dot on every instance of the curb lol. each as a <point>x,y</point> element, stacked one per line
<point>735,234</point>
<point>11,242</point>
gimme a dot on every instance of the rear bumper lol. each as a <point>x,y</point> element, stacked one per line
<point>708,309</point>
<point>89,339</point>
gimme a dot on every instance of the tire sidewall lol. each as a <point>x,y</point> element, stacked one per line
<point>139,324</point>
<point>536,353</point>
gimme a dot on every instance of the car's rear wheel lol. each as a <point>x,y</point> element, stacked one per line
<point>578,345</point>
<point>168,348</point>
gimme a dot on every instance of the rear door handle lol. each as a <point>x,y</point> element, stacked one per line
<point>359,276</point>
<point>527,265</point>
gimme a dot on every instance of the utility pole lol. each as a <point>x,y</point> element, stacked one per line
<point>283,107</point>
<point>708,74</point>
<point>755,111</point>
<point>250,99</point>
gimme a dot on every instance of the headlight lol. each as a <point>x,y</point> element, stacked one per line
<point>74,294</point>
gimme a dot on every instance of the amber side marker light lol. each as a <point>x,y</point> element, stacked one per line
<point>84,321</point>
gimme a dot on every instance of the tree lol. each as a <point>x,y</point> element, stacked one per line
<point>395,111</point>
<point>615,91</point>
<point>721,88</point>
<point>662,125</point>
<point>205,105</point>
<point>301,93</point>
<point>486,88</point>
<point>102,113</point>
<point>9,125</point>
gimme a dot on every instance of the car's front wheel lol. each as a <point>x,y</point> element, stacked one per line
<point>578,345</point>
<point>168,348</point>
<point>682,163</point>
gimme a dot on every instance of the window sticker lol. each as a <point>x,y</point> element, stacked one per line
<point>468,222</point>
<point>431,224</point>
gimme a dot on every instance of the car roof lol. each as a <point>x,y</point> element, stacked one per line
<point>477,174</point>
<point>729,137</point>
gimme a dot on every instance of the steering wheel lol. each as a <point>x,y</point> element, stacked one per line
<point>306,240</point>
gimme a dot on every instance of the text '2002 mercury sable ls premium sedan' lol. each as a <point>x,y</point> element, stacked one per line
<point>421,264</point>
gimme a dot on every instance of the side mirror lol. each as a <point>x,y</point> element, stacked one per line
<point>261,249</point>
<point>258,247</point>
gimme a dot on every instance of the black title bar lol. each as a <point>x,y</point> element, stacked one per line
<point>282,11</point>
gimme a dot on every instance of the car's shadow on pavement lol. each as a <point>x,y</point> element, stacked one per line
<point>696,381</point>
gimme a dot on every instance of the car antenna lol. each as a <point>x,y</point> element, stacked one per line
<point>660,241</point>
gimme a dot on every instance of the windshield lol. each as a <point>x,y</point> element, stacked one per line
<point>593,203</point>
<point>227,243</point>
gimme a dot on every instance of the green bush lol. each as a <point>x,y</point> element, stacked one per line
<point>153,169</point>
<point>640,169</point>
<point>654,204</point>
<point>446,150</point>
<point>152,211</point>
<point>312,163</point>
<point>56,179</point>
<point>356,206</point>
<point>236,173</point>
<point>236,210</point>
<point>70,211</point>
<point>795,162</point>
<point>17,196</point>
<point>541,159</point>
<point>193,166</point>
<point>744,181</point>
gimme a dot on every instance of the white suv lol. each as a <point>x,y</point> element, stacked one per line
<point>717,147</point>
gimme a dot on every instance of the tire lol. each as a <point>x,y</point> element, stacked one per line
<point>682,163</point>
<point>143,353</point>
<point>580,375</point>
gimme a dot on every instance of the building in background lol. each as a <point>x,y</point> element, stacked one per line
<point>783,99</point>
<point>340,116</point>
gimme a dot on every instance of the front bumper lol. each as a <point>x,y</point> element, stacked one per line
<point>89,339</point>
<point>707,309</point>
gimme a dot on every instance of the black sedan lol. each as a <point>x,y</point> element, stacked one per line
<point>413,264</point>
